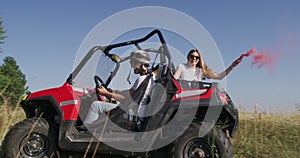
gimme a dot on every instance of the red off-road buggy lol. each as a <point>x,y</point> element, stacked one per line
<point>186,119</point>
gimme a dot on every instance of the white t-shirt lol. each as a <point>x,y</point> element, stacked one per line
<point>143,103</point>
<point>185,72</point>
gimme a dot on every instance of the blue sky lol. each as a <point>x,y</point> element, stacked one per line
<point>44,37</point>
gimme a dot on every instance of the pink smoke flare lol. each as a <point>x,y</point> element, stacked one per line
<point>265,59</point>
<point>250,52</point>
<point>261,59</point>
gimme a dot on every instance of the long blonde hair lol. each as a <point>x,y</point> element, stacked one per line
<point>207,72</point>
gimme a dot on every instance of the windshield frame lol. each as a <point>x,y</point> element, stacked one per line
<point>163,50</point>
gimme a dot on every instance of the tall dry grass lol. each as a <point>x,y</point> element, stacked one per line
<point>267,135</point>
<point>9,115</point>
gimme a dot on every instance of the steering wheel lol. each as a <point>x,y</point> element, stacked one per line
<point>99,82</point>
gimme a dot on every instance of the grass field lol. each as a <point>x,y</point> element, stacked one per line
<point>258,136</point>
<point>265,136</point>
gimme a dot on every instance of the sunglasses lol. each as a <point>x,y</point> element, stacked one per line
<point>194,56</point>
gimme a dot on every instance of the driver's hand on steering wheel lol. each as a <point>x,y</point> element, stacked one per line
<point>101,90</point>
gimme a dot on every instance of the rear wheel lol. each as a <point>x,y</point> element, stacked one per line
<point>213,145</point>
<point>31,138</point>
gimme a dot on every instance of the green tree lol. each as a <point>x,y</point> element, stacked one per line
<point>2,33</point>
<point>12,82</point>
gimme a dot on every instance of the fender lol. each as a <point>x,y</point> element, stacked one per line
<point>62,100</point>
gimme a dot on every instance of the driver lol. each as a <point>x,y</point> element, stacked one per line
<point>139,62</point>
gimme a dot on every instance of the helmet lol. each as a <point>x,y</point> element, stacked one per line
<point>140,56</point>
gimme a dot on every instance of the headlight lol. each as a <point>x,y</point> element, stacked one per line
<point>25,96</point>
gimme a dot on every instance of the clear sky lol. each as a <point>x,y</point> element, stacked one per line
<point>44,37</point>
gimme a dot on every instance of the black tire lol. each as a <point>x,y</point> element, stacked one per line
<point>214,144</point>
<point>31,138</point>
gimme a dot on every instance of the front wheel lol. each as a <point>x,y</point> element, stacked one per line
<point>31,138</point>
<point>213,145</point>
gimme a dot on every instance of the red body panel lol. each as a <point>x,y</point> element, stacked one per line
<point>65,98</point>
<point>207,92</point>
<point>206,95</point>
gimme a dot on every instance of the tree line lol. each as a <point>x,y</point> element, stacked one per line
<point>12,80</point>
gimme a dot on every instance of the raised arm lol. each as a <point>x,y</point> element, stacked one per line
<point>227,71</point>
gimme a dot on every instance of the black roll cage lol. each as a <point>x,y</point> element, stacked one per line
<point>106,49</point>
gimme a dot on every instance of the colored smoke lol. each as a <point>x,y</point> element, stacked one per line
<point>265,59</point>
<point>284,48</point>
